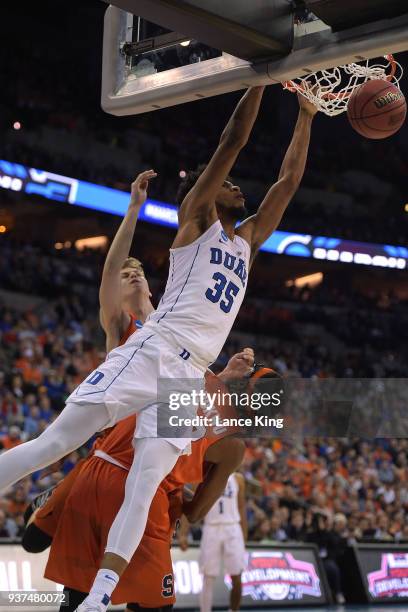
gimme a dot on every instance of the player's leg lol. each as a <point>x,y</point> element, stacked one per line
<point>236,592</point>
<point>234,561</point>
<point>154,459</point>
<point>72,428</point>
<point>35,540</point>
<point>206,595</point>
<point>86,410</point>
<point>209,561</point>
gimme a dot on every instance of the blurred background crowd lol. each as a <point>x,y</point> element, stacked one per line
<point>46,349</point>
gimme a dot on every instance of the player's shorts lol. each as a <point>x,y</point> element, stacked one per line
<point>82,532</point>
<point>222,543</point>
<point>47,517</point>
<point>140,375</point>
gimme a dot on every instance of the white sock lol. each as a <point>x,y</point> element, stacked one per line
<point>103,586</point>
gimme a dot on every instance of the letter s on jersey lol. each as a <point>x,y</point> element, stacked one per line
<point>168,585</point>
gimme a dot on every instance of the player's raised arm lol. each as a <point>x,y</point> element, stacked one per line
<point>113,319</point>
<point>260,226</point>
<point>197,211</point>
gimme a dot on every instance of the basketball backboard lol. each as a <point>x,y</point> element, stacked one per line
<point>147,66</point>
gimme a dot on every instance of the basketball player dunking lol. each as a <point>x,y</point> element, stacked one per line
<point>209,263</point>
<point>75,518</point>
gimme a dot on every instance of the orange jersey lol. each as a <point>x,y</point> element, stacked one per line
<point>92,502</point>
<point>134,324</point>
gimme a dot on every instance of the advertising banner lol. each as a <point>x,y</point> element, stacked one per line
<point>275,576</point>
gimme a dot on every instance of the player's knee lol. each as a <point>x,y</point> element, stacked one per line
<point>35,540</point>
<point>149,479</point>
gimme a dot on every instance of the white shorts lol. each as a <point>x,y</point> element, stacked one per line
<point>138,377</point>
<point>222,542</point>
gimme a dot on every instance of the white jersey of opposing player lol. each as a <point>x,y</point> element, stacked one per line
<point>225,510</point>
<point>205,288</point>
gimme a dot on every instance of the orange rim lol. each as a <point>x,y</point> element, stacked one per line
<point>294,87</point>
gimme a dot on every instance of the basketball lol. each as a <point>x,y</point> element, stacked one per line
<point>377,109</point>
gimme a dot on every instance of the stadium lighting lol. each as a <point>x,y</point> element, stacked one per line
<point>310,279</point>
<point>94,242</point>
<point>33,181</point>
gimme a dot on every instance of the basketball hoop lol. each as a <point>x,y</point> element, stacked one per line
<point>331,89</point>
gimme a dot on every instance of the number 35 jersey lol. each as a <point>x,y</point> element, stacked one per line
<point>205,288</point>
<point>225,510</point>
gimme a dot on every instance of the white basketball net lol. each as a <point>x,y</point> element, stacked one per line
<point>330,89</point>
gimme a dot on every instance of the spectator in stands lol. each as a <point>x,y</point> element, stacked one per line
<point>331,547</point>
<point>17,502</point>
<point>262,532</point>
<point>32,422</point>
<point>382,531</point>
<point>297,530</point>
<point>276,531</point>
<point>4,532</point>
<point>13,438</point>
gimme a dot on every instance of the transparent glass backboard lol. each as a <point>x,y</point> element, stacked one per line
<point>146,67</point>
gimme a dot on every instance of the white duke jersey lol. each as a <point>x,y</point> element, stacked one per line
<point>205,288</point>
<point>225,510</point>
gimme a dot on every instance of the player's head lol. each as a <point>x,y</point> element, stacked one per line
<point>133,280</point>
<point>261,372</point>
<point>258,379</point>
<point>229,201</point>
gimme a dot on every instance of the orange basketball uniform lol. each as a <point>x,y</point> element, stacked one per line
<point>90,507</point>
<point>81,512</point>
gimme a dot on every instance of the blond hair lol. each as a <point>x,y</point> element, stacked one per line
<point>132,262</point>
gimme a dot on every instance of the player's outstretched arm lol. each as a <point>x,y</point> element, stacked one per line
<point>260,226</point>
<point>197,211</point>
<point>113,320</point>
<point>227,455</point>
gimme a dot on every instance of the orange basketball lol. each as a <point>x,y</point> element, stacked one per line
<point>377,109</point>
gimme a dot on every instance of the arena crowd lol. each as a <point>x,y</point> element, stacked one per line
<point>319,489</point>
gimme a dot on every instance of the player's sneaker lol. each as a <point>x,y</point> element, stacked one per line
<point>38,502</point>
<point>93,605</point>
